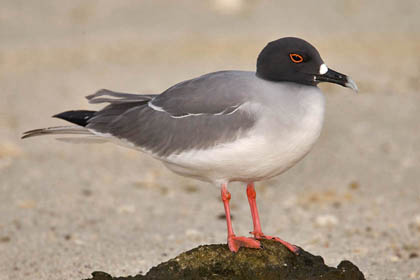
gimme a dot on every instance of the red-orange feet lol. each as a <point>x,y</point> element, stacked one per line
<point>292,248</point>
<point>236,242</point>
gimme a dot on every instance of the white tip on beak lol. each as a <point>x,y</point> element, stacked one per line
<point>351,84</point>
<point>323,69</point>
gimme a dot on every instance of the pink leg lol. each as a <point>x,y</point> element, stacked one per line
<point>235,242</point>
<point>258,234</point>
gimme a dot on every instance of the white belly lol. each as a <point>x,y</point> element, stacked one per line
<point>270,149</point>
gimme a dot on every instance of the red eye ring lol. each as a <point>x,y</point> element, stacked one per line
<point>296,58</point>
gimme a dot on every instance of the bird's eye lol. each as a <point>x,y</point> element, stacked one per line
<point>296,58</point>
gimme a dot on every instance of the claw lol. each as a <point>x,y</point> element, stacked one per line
<point>294,249</point>
<point>236,242</point>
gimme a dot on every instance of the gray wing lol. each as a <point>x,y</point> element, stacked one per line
<point>215,93</point>
<point>195,114</point>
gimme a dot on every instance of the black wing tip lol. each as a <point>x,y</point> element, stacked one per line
<point>79,117</point>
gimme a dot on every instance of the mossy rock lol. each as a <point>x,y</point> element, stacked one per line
<point>216,262</point>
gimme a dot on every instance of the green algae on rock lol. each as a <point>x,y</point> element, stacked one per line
<point>273,261</point>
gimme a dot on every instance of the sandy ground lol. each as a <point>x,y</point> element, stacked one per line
<point>67,210</point>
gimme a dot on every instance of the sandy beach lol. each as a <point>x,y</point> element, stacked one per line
<point>67,210</point>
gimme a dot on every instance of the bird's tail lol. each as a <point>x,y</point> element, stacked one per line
<point>71,129</point>
<point>81,118</point>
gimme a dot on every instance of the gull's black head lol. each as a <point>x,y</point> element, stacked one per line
<point>295,60</point>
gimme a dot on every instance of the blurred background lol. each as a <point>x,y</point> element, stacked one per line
<point>67,210</point>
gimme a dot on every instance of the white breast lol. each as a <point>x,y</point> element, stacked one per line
<point>284,133</point>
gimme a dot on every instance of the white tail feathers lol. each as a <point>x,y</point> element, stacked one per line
<point>84,140</point>
<point>72,129</point>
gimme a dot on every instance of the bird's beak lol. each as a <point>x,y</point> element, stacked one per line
<point>332,76</point>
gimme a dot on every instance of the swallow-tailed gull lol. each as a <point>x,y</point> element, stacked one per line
<point>224,126</point>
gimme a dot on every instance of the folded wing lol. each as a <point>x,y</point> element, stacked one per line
<point>193,115</point>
